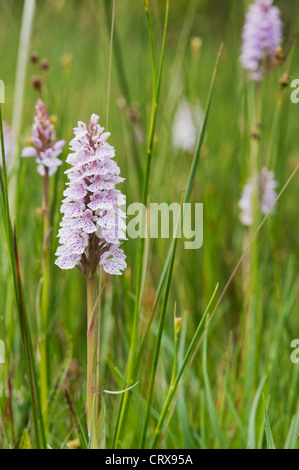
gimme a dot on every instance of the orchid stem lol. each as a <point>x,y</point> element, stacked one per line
<point>45,297</point>
<point>91,407</point>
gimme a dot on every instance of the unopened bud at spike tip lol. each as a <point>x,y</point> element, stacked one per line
<point>177,325</point>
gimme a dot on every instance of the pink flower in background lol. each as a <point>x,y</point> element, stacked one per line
<point>262,35</point>
<point>265,187</point>
<point>267,190</point>
<point>44,147</point>
<point>92,226</point>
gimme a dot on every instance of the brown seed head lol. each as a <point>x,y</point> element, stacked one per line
<point>285,80</point>
<point>45,65</point>
<point>34,57</point>
<point>36,83</point>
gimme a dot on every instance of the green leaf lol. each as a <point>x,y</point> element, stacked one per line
<point>102,425</point>
<point>269,436</point>
<point>25,442</point>
<point>210,402</point>
<point>251,427</point>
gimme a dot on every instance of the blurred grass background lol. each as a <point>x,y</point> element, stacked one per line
<point>74,37</point>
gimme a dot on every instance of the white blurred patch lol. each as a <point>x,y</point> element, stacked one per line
<point>187,123</point>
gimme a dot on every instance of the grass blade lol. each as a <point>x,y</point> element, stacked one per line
<point>36,407</point>
<point>140,261</point>
<point>18,290</point>
<point>102,425</point>
<point>79,426</point>
<point>251,428</point>
<point>24,43</point>
<point>186,363</point>
<point>210,404</point>
<point>193,168</point>
<point>269,436</point>
<point>159,338</point>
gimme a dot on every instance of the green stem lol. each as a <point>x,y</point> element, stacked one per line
<point>251,283</point>
<point>191,177</point>
<point>176,343</point>
<point>156,94</point>
<point>91,403</point>
<point>187,195</point>
<point>270,163</point>
<point>98,338</point>
<point>186,362</point>
<point>18,291</point>
<point>110,63</point>
<point>45,297</point>
<point>159,338</point>
<point>26,28</point>
<point>123,84</point>
<point>22,61</point>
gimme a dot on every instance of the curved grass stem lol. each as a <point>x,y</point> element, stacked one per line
<point>140,260</point>
<point>173,388</point>
<point>159,338</point>
<point>18,291</point>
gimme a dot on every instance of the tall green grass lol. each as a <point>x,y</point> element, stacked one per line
<point>225,379</point>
